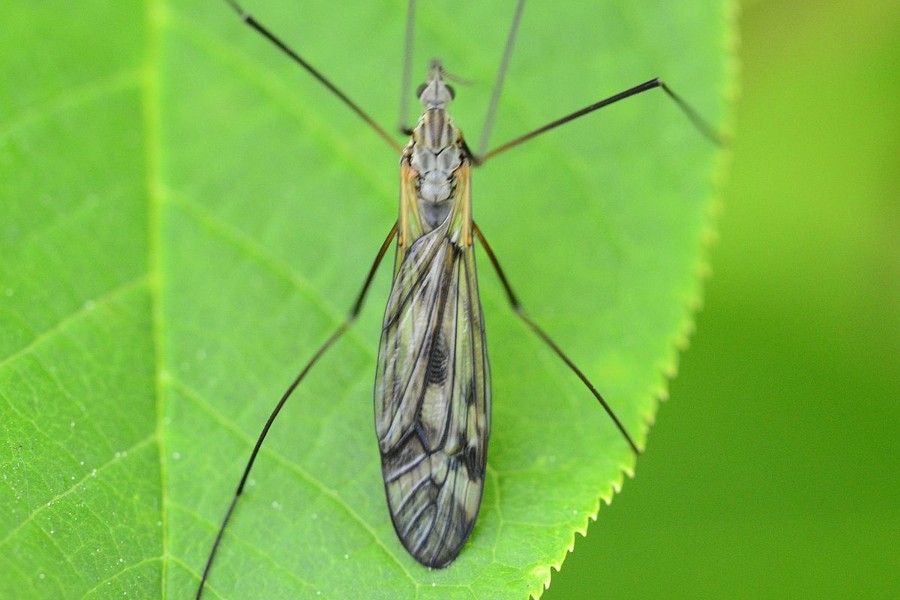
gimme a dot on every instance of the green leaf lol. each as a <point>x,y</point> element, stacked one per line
<point>186,217</point>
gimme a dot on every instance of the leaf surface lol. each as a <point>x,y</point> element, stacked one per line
<point>187,216</point>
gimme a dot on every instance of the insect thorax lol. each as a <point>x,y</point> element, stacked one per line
<point>434,153</point>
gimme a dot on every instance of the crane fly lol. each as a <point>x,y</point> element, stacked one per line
<point>432,383</point>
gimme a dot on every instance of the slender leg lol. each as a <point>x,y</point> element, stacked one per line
<point>501,76</point>
<point>520,312</point>
<point>405,89</point>
<point>705,128</point>
<point>264,31</point>
<point>354,312</point>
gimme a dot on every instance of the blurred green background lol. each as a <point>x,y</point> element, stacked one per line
<point>773,470</point>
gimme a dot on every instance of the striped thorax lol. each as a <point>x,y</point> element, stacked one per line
<point>436,159</point>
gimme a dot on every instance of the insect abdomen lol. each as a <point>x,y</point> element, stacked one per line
<point>432,398</point>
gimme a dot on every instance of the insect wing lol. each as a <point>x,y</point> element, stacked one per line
<point>432,393</point>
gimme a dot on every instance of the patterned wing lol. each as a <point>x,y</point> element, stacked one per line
<point>432,397</point>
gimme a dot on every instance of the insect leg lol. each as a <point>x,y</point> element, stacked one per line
<point>705,128</point>
<point>354,312</point>
<point>406,79</point>
<point>501,76</point>
<point>264,31</point>
<point>520,312</point>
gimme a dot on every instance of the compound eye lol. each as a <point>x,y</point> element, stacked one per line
<point>452,91</point>
<point>421,90</point>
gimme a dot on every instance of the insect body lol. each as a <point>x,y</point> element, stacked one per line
<point>432,388</point>
<point>432,385</point>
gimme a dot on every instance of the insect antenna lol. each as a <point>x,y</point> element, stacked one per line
<point>334,337</point>
<point>266,33</point>
<point>519,310</point>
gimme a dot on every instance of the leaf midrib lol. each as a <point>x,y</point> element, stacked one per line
<point>151,101</point>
